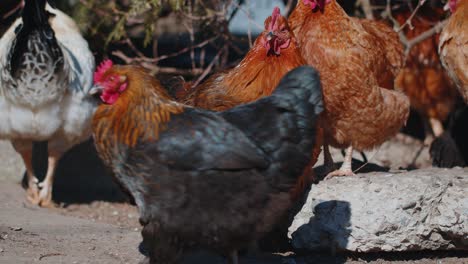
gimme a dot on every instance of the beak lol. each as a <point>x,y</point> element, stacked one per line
<point>270,36</point>
<point>96,90</point>
<point>446,6</point>
<point>122,78</point>
<point>321,5</point>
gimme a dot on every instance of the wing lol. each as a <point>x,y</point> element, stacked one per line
<point>6,42</point>
<point>78,58</point>
<point>201,140</point>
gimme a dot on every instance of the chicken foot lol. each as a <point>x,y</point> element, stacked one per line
<point>45,194</point>
<point>345,169</point>
<point>25,150</point>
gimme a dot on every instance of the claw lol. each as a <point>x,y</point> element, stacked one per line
<point>346,169</point>
<point>45,195</point>
<point>32,193</point>
<point>339,173</point>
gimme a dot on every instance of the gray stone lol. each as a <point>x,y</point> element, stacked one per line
<point>418,210</point>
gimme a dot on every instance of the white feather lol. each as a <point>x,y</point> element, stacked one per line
<point>69,116</point>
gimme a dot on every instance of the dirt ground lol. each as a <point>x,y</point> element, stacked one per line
<point>93,223</point>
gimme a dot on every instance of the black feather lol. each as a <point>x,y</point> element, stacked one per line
<point>219,180</point>
<point>35,21</point>
<point>451,149</point>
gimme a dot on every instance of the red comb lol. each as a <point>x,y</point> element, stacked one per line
<point>101,69</point>
<point>274,18</point>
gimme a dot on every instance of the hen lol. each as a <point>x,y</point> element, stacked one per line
<point>453,45</point>
<point>203,179</point>
<point>423,79</point>
<point>46,73</point>
<point>358,60</point>
<point>273,54</point>
<point>451,148</point>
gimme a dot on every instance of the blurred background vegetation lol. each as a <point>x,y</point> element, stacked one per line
<point>192,38</point>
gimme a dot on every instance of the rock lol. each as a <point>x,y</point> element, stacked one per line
<point>417,210</point>
<point>401,151</point>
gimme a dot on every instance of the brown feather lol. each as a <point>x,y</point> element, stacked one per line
<point>423,79</point>
<point>361,108</point>
<point>257,75</point>
<point>140,113</point>
<point>453,47</point>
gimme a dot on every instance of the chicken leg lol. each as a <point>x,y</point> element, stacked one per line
<point>327,159</point>
<point>45,194</point>
<point>345,169</point>
<point>435,126</point>
<point>24,148</point>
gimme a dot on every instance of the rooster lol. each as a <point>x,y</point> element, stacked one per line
<point>46,73</point>
<point>358,60</point>
<point>203,179</point>
<point>273,54</point>
<point>453,47</point>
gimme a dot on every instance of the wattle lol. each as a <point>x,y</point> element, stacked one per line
<point>109,97</point>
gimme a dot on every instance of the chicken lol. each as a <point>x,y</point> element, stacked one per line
<point>358,60</point>
<point>453,45</point>
<point>273,54</point>
<point>203,179</point>
<point>423,79</point>
<point>451,148</point>
<point>46,71</point>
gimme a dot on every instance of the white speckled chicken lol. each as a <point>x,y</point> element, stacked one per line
<point>46,72</point>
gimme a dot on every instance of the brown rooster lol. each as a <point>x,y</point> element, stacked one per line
<point>204,179</point>
<point>453,45</point>
<point>274,53</point>
<point>358,60</point>
<point>423,79</point>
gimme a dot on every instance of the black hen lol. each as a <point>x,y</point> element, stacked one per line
<point>206,180</point>
<point>451,149</point>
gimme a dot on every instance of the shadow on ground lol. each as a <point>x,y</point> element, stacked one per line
<point>81,177</point>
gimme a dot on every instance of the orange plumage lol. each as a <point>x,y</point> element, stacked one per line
<point>134,116</point>
<point>256,76</point>
<point>274,53</point>
<point>423,79</point>
<point>358,60</point>
<point>225,171</point>
<point>453,46</point>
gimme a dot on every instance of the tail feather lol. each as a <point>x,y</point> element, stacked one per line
<point>284,125</point>
<point>35,20</point>
<point>34,13</point>
<point>451,149</point>
<point>303,82</point>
